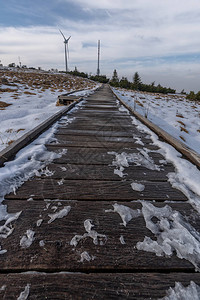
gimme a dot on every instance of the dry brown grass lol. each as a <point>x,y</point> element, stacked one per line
<point>4,104</point>
<point>7,90</point>
<point>184,129</point>
<point>10,142</point>
<point>181,137</point>
<point>35,82</point>
<point>139,103</point>
<point>20,129</point>
<point>29,93</point>
<point>179,116</point>
<point>180,122</point>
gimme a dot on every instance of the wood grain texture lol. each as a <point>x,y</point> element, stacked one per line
<point>42,188</point>
<point>58,286</point>
<point>56,254</point>
<point>103,172</point>
<point>91,155</point>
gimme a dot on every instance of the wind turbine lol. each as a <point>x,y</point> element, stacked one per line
<point>66,49</point>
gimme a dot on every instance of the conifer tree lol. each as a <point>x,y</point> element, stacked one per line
<point>137,82</point>
<point>115,78</point>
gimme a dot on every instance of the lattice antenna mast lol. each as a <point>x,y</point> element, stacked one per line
<point>98,69</point>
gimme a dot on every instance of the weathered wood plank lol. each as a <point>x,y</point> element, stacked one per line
<point>92,131</point>
<point>101,128</point>
<point>79,155</point>
<point>67,138</point>
<point>62,141</point>
<point>41,188</point>
<point>102,172</point>
<point>92,286</point>
<point>51,249</point>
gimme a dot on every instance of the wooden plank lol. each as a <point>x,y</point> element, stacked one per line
<point>62,141</point>
<point>100,106</point>
<point>92,286</point>
<point>100,128</point>
<point>100,138</point>
<point>92,131</point>
<point>102,172</point>
<point>93,138</point>
<point>41,188</point>
<point>96,156</point>
<point>102,124</point>
<point>55,253</point>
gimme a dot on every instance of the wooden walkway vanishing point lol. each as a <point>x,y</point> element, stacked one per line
<point>69,241</point>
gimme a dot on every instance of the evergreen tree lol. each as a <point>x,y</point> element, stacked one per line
<point>137,82</point>
<point>115,79</point>
<point>124,83</point>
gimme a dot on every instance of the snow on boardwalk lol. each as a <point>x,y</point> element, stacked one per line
<point>105,214</point>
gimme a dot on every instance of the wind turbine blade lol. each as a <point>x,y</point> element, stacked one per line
<point>63,35</point>
<point>68,39</point>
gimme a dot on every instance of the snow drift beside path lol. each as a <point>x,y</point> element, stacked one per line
<point>173,113</point>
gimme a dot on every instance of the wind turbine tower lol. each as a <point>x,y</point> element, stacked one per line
<point>98,69</point>
<point>66,50</point>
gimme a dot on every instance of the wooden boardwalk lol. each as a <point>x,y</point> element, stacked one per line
<point>55,253</point>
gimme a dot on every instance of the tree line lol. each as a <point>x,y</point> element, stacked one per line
<point>137,84</point>
<point>100,78</point>
<point>193,96</point>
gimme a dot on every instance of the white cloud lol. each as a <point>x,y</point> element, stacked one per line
<point>135,36</point>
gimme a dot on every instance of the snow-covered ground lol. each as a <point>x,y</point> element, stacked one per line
<point>28,98</point>
<point>173,113</point>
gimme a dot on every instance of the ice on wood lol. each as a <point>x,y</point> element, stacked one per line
<point>179,292</point>
<point>122,241</point>
<point>137,186</point>
<point>27,240</point>
<point>85,256</point>
<point>126,213</point>
<point>60,214</point>
<point>95,236</point>
<point>173,234</point>
<point>123,160</point>
<point>39,222</point>
<point>24,295</point>
<point>6,230</point>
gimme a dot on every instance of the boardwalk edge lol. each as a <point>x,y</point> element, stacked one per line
<point>190,154</point>
<point>9,152</point>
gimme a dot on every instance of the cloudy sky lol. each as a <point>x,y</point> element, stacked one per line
<point>158,38</point>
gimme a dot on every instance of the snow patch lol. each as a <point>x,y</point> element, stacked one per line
<point>85,256</point>
<point>122,161</point>
<point>173,234</point>
<point>59,215</point>
<point>138,140</point>
<point>124,109</point>
<point>42,243</point>
<point>179,292</point>
<point>39,222</point>
<point>137,186</point>
<point>122,240</point>
<point>24,295</point>
<point>97,237</point>
<point>6,230</point>
<point>126,213</point>
<point>27,240</point>
<point>60,182</point>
